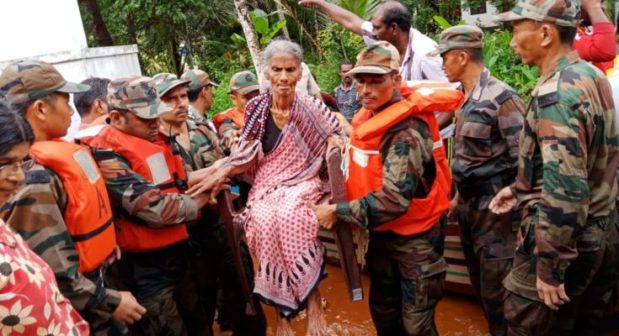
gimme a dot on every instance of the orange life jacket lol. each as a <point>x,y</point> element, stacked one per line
<point>88,214</point>
<point>365,167</point>
<point>237,117</point>
<point>159,166</point>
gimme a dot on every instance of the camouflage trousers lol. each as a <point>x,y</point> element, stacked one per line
<point>406,280</point>
<point>152,277</point>
<point>101,322</point>
<point>488,242</point>
<point>589,283</point>
<point>211,267</point>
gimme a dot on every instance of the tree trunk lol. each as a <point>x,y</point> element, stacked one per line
<point>99,30</point>
<point>175,57</point>
<point>280,15</point>
<point>240,6</point>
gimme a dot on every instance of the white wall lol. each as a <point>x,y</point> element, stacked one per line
<point>36,27</point>
<point>105,62</point>
<point>77,65</point>
<point>481,20</point>
<point>52,31</point>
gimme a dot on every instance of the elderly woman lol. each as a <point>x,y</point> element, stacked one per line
<point>281,151</point>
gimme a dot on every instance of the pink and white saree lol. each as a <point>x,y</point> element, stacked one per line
<point>281,231</point>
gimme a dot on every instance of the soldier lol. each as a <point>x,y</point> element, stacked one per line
<point>562,277</point>
<point>398,184</point>
<point>92,107</point>
<point>145,180</point>
<point>243,87</point>
<point>486,153</point>
<point>200,96</point>
<point>63,211</point>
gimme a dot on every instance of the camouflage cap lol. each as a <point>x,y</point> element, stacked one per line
<point>27,80</point>
<point>167,81</point>
<point>138,95</point>
<point>460,37</point>
<point>244,82</point>
<point>379,58</point>
<point>198,79</point>
<point>560,12</point>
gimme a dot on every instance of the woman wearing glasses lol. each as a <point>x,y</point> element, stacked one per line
<point>30,301</point>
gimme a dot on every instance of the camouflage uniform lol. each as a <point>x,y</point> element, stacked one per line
<point>230,122</point>
<point>485,159</point>
<point>406,272</point>
<point>228,130</point>
<point>211,261</point>
<point>36,211</point>
<point>151,276</point>
<point>566,185</point>
<point>197,80</point>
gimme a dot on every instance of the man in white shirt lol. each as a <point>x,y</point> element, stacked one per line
<point>391,22</point>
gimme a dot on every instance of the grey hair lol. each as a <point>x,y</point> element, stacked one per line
<point>281,46</point>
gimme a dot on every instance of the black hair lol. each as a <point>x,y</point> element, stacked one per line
<point>346,62</point>
<point>566,35</point>
<point>476,54</point>
<point>14,129</point>
<point>395,12</point>
<point>194,94</point>
<point>21,108</point>
<point>98,90</point>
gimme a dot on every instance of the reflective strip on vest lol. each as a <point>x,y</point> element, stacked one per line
<point>368,132</point>
<point>159,166</point>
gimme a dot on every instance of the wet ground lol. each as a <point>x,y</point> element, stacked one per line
<point>457,315</point>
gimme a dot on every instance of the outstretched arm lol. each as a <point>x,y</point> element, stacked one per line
<point>599,46</point>
<point>348,20</point>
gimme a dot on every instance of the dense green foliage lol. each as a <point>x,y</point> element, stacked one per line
<point>215,42</point>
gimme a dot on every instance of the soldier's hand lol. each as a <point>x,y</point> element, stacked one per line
<point>325,214</point>
<point>453,205</point>
<point>346,126</point>
<point>211,182</point>
<point>210,197</point>
<point>129,310</point>
<point>553,296</point>
<point>114,256</point>
<point>503,202</point>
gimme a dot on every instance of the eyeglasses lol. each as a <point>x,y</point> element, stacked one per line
<point>12,168</point>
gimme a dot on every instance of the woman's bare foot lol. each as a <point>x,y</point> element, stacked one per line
<point>284,328</point>
<point>316,323</point>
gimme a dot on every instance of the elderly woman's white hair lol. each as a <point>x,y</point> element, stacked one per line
<point>280,46</point>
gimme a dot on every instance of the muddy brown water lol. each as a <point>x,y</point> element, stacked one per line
<point>457,315</point>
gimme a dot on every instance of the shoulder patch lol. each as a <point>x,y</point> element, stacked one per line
<point>548,99</point>
<point>37,177</point>
<point>548,93</point>
<point>504,96</point>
